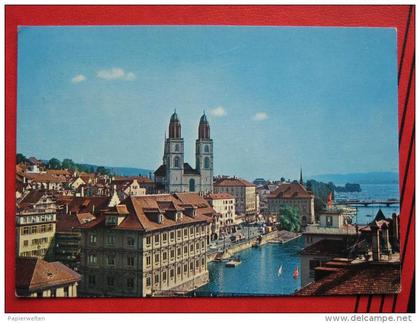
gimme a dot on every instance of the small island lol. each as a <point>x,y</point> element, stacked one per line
<point>348,188</point>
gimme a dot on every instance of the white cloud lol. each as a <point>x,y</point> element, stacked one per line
<point>218,112</point>
<point>78,78</point>
<point>260,116</point>
<point>115,73</point>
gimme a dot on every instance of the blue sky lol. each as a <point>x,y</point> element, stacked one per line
<point>277,98</point>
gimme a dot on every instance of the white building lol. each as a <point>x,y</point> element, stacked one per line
<point>225,217</point>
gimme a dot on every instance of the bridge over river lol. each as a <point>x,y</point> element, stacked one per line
<point>366,203</point>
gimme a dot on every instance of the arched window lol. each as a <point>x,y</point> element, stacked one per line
<point>192,185</point>
<point>206,162</point>
<point>176,161</point>
<point>177,147</point>
<point>206,149</point>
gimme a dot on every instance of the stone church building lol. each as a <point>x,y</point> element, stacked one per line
<point>175,175</point>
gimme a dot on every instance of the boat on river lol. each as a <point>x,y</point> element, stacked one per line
<point>234,262</point>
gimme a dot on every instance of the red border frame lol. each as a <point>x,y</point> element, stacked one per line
<point>399,17</point>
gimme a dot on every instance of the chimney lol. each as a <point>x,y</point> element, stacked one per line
<point>395,231</point>
<point>93,208</point>
<point>67,208</point>
<point>376,243</point>
<point>385,237</point>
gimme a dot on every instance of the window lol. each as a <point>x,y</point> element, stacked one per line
<point>148,240</point>
<point>178,234</point>
<point>178,252</point>
<point>185,249</point>
<point>148,281</point>
<point>148,261</point>
<point>164,256</point>
<point>172,254</point>
<point>192,248</point>
<point>191,185</point>
<point>203,244</point>
<point>185,268</point>
<point>176,162</point>
<point>92,259</point>
<point>92,238</point>
<point>157,258</point>
<point>110,239</point>
<point>130,261</point>
<point>25,243</point>
<point>164,276</point>
<point>206,162</point>
<point>191,231</point>
<point>165,237</point>
<point>110,281</point>
<point>178,270</point>
<point>25,230</point>
<point>185,232</point>
<point>157,238</point>
<point>177,147</point>
<point>197,246</point>
<point>130,241</point>
<point>202,261</point>
<point>33,229</point>
<point>130,282</point>
<point>191,266</point>
<point>92,279</point>
<point>206,149</point>
<point>328,221</point>
<point>111,260</point>
<point>156,278</point>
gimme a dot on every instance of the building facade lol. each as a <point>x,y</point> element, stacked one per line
<point>147,245</point>
<point>243,191</point>
<point>225,218</point>
<point>175,175</point>
<point>35,224</point>
<point>293,195</point>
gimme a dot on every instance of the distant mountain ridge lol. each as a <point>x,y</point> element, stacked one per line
<point>359,178</point>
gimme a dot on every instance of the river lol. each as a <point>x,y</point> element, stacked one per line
<point>258,272</point>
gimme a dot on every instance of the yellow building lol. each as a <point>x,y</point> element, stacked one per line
<point>147,245</point>
<point>35,224</point>
<point>293,195</point>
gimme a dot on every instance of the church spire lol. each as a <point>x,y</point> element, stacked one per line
<point>301,176</point>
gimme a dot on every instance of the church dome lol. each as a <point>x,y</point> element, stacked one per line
<point>174,127</point>
<point>174,117</point>
<point>203,119</point>
<point>203,128</point>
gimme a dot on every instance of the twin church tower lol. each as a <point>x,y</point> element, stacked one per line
<point>175,175</point>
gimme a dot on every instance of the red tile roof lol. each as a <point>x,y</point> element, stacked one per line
<point>233,182</point>
<point>326,247</point>
<point>33,274</point>
<point>290,191</point>
<point>362,278</point>
<point>142,209</point>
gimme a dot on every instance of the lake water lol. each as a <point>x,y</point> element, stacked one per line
<point>258,272</point>
<point>373,192</point>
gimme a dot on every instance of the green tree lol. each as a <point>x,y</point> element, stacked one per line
<point>289,219</point>
<point>20,158</point>
<point>102,170</point>
<point>68,164</point>
<point>54,163</point>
